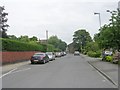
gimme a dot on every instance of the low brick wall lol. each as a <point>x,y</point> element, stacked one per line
<point>11,57</point>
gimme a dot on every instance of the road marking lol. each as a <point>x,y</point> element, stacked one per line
<point>21,70</point>
<point>8,72</point>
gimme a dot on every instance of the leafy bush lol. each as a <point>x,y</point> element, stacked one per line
<point>50,48</point>
<point>14,45</point>
<point>94,54</point>
<point>109,58</point>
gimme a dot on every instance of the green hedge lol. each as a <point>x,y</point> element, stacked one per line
<point>94,54</point>
<point>50,48</point>
<point>12,45</point>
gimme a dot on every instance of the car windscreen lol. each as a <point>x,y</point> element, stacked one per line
<point>38,55</point>
<point>76,52</point>
<point>48,53</point>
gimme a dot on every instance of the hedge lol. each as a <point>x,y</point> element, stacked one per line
<point>94,54</point>
<point>50,48</point>
<point>13,45</point>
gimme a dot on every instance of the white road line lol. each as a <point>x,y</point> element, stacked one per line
<point>21,70</point>
<point>8,72</point>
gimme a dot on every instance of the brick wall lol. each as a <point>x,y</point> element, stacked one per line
<point>10,57</point>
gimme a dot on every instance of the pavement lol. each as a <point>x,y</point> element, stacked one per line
<point>108,69</point>
<point>8,67</point>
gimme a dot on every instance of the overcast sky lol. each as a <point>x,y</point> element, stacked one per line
<point>59,17</point>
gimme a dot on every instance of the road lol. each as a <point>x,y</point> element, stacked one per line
<point>65,72</point>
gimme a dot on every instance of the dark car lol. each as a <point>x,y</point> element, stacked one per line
<point>39,58</point>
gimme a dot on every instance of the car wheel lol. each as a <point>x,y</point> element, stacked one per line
<point>44,61</point>
<point>48,61</point>
<point>32,62</point>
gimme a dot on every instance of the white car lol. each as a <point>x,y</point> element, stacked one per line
<point>108,53</point>
<point>76,53</point>
<point>51,55</point>
<point>58,54</point>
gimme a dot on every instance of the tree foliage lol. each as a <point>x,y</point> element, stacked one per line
<point>109,35</point>
<point>57,43</point>
<point>3,23</point>
<point>81,38</point>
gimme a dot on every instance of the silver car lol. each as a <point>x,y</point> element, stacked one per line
<point>51,55</point>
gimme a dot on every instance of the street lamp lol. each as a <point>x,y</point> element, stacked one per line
<point>99,18</point>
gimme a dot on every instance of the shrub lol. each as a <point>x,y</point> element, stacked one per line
<point>14,45</point>
<point>50,48</point>
<point>109,58</point>
<point>94,54</point>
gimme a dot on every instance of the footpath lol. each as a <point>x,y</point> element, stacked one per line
<point>108,69</point>
<point>8,67</point>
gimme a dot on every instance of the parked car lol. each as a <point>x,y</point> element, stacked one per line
<point>51,55</point>
<point>58,54</point>
<point>76,53</point>
<point>64,53</point>
<point>39,58</point>
<point>106,54</point>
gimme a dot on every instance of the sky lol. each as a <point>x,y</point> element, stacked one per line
<point>59,17</point>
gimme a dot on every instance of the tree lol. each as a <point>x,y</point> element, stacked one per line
<point>62,45</point>
<point>81,38</point>
<point>3,23</point>
<point>24,38</point>
<point>109,35</point>
<point>33,38</point>
<point>57,43</point>
<point>13,37</point>
<point>54,41</point>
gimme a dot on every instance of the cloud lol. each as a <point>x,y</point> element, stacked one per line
<point>59,17</point>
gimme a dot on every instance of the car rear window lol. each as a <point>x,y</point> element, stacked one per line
<point>49,53</point>
<point>39,55</point>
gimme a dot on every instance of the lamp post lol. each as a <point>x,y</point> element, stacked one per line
<point>99,18</point>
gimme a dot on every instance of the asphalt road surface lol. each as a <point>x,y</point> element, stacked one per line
<point>66,72</point>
